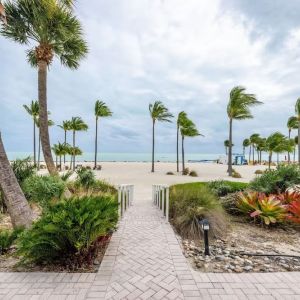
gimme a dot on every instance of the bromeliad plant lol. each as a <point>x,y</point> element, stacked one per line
<point>268,209</point>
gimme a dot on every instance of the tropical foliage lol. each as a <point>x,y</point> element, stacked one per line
<point>23,169</point>
<point>68,234</point>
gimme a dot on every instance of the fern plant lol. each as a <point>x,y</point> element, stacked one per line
<point>68,232</point>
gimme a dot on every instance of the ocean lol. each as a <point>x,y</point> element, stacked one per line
<point>139,157</point>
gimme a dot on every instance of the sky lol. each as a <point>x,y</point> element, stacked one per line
<point>186,53</point>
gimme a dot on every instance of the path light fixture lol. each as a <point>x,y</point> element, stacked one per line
<point>2,14</point>
<point>205,227</point>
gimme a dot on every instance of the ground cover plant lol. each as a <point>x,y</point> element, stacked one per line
<point>69,231</point>
<point>190,203</point>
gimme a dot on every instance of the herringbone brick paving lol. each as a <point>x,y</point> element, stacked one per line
<point>144,261</point>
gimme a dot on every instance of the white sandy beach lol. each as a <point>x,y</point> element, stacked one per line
<point>139,173</point>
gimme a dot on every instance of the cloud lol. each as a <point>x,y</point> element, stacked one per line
<point>188,54</point>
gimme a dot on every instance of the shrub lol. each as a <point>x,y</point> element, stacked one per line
<point>66,176</point>
<point>190,203</point>
<point>268,209</point>
<point>259,172</point>
<point>23,169</point>
<point>85,177</point>
<point>186,171</point>
<point>69,232</point>
<point>193,174</point>
<point>170,173</point>
<point>7,238</point>
<point>101,186</point>
<point>277,181</point>
<point>222,187</point>
<point>229,203</point>
<point>236,174</point>
<point>43,189</point>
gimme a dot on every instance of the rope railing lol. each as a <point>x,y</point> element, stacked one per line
<point>125,197</point>
<point>160,197</point>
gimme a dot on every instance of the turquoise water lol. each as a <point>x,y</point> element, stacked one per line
<point>138,157</point>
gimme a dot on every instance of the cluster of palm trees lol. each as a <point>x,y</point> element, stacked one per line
<point>277,142</point>
<point>52,29</point>
<point>185,127</point>
<point>61,149</point>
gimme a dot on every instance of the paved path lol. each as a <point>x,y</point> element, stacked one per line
<point>144,261</point>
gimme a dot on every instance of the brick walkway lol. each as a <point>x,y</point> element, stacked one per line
<point>144,261</point>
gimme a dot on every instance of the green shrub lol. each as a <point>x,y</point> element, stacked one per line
<point>7,238</point>
<point>43,189</point>
<point>186,171</point>
<point>23,169</point>
<point>222,187</point>
<point>170,173</point>
<point>236,174</point>
<point>66,176</point>
<point>190,203</point>
<point>103,187</point>
<point>85,177</point>
<point>69,232</point>
<point>229,203</point>
<point>277,181</point>
<point>193,174</point>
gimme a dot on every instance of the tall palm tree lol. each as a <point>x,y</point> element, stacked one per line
<point>50,123</point>
<point>17,205</point>
<point>238,108</point>
<point>187,129</point>
<point>292,123</point>
<point>180,119</point>
<point>101,111</point>
<point>158,112</point>
<point>60,149</point>
<point>297,110</point>
<point>66,127</point>
<point>33,111</point>
<point>254,140</point>
<point>226,145</point>
<point>53,31</point>
<point>77,124</point>
<point>73,151</point>
<point>246,143</point>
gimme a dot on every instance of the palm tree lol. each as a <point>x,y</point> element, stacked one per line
<point>66,127</point>
<point>226,145</point>
<point>60,149</point>
<point>246,143</point>
<point>261,146</point>
<point>180,119</point>
<point>238,108</point>
<point>2,14</point>
<point>77,124</point>
<point>33,111</point>
<point>297,110</point>
<point>50,123</point>
<point>187,129</point>
<point>73,151</point>
<point>17,205</point>
<point>53,31</point>
<point>292,123</point>
<point>158,112</point>
<point>101,111</point>
<point>275,144</point>
<point>254,140</point>
<point>296,143</point>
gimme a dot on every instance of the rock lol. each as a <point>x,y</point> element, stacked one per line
<point>248,268</point>
<point>220,257</point>
<point>238,270</point>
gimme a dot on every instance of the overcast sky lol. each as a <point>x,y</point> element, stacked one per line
<point>186,53</point>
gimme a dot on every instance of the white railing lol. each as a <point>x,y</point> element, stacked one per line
<point>125,197</point>
<point>160,197</point>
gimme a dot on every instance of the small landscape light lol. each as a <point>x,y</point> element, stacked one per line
<point>205,227</point>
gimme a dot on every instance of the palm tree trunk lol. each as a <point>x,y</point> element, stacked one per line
<point>226,150</point>
<point>43,120</point>
<point>96,144</point>
<point>17,205</point>
<point>65,145</point>
<point>39,152</point>
<point>289,156</point>
<point>294,155</point>
<point>277,158</point>
<point>249,154</point>
<point>270,160</point>
<point>230,149</point>
<point>244,150</point>
<point>74,150</point>
<point>253,152</point>
<point>182,151</point>
<point>56,161</point>
<point>153,145</point>
<point>177,148</point>
<point>299,142</point>
<point>34,143</point>
<point>60,163</point>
